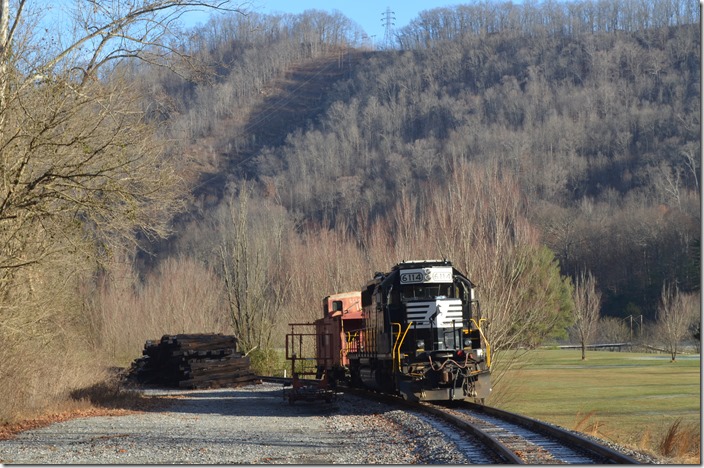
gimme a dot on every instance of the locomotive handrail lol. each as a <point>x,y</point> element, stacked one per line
<point>488,347</point>
<point>352,337</point>
<point>396,350</point>
<point>355,337</point>
<point>393,349</point>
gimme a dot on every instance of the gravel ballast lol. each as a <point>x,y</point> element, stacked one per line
<point>246,425</point>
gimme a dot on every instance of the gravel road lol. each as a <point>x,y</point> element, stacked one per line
<point>246,425</point>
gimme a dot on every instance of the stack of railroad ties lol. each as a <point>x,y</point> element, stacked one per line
<point>192,361</point>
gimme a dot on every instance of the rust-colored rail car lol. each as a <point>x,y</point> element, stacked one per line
<point>338,333</point>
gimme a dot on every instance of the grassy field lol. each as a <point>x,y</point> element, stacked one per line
<point>635,399</point>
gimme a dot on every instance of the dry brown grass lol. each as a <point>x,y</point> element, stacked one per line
<point>645,440</point>
<point>57,346</point>
<point>587,423</point>
<point>39,371</point>
<point>682,443</point>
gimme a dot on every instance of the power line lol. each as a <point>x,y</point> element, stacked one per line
<point>265,114</point>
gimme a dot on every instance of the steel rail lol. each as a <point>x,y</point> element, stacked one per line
<point>557,433</point>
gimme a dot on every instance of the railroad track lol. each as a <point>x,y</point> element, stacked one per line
<point>497,436</point>
<point>522,440</point>
<point>513,438</point>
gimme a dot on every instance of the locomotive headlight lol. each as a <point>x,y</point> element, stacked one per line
<point>467,343</point>
<point>420,345</point>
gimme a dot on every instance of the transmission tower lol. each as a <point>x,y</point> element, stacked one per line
<point>388,19</point>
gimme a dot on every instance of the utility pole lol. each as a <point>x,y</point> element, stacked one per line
<point>640,330</point>
<point>388,19</point>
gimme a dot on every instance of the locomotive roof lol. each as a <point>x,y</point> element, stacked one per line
<point>343,295</point>
<point>421,264</point>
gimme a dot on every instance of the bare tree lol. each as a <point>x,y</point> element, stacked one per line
<point>676,313</point>
<point>180,296</point>
<point>587,304</point>
<point>612,330</point>
<point>479,222</point>
<point>81,167</point>
<point>75,149</point>
<point>82,170</point>
<point>256,282</point>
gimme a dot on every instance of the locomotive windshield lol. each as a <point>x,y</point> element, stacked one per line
<point>425,291</point>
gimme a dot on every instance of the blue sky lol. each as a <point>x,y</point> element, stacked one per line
<point>367,13</point>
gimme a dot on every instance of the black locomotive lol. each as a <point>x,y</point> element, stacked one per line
<point>421,335</point>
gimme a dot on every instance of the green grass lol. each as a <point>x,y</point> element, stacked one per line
<point>630,398</point>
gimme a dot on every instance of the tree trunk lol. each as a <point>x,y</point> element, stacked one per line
<point>4,44</point>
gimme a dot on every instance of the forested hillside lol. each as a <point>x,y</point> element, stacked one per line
<point>598,123</point>
<point>240,171</point>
